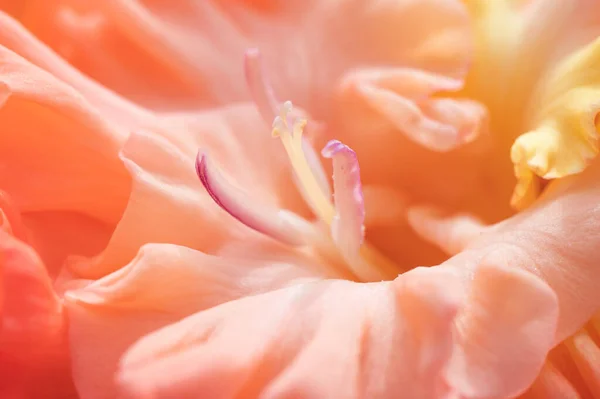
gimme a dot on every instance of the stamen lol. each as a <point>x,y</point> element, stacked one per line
<point>312,183</point>
<point>289,130</point>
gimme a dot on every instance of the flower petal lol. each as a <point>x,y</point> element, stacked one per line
<point>381,339</point>
<point>33,329</point>
<point>504,331</point>
<point>161,161</point>
<point>167,57</point>
<point>56,143</point>
<point>451,233</point>
<point>556,239</point>
<point>15,37</point>
<point>160,286</point>
<point>565,137</point>
<point>166,205</point>
<point>401,97</point>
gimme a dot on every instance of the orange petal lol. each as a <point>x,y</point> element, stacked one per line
<point>58,144</point>
<point>17,38</point>
<point>57,235</point>
<point>504,332</point>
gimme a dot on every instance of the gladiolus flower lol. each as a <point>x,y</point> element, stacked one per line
<point>312,199</point>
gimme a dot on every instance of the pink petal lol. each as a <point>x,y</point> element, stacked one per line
<point>166,205</point>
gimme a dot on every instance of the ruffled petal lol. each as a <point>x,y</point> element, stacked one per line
<point>539,91</point>
<point>557,239</point>
<point>401,97</point>
<point>160,286</point>
<point>504,332</point>
<point>395,340</point>
<point>189,54</point>
<point>565,137</point>
<point>17,38</point>
<point>381,340</point>
<point>167,204</point>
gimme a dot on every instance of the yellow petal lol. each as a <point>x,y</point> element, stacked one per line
<point>565,137</point>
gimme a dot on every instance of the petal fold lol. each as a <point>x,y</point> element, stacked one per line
<point>382,340</point>
<point>162,284</point>
<point>404,98</point>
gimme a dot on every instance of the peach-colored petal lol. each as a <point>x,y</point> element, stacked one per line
<point>383,205</point>
<point>161,285</point>
<point>33,352</point>
<point>190,53</point>
<point>451,233</point>
<point>379,340</point>
<point>556,239</point>
<point>400,97</point>
<point>166,205</point>
<point>504,331</point>
<point>323,339</point>
<point>16,38</point>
